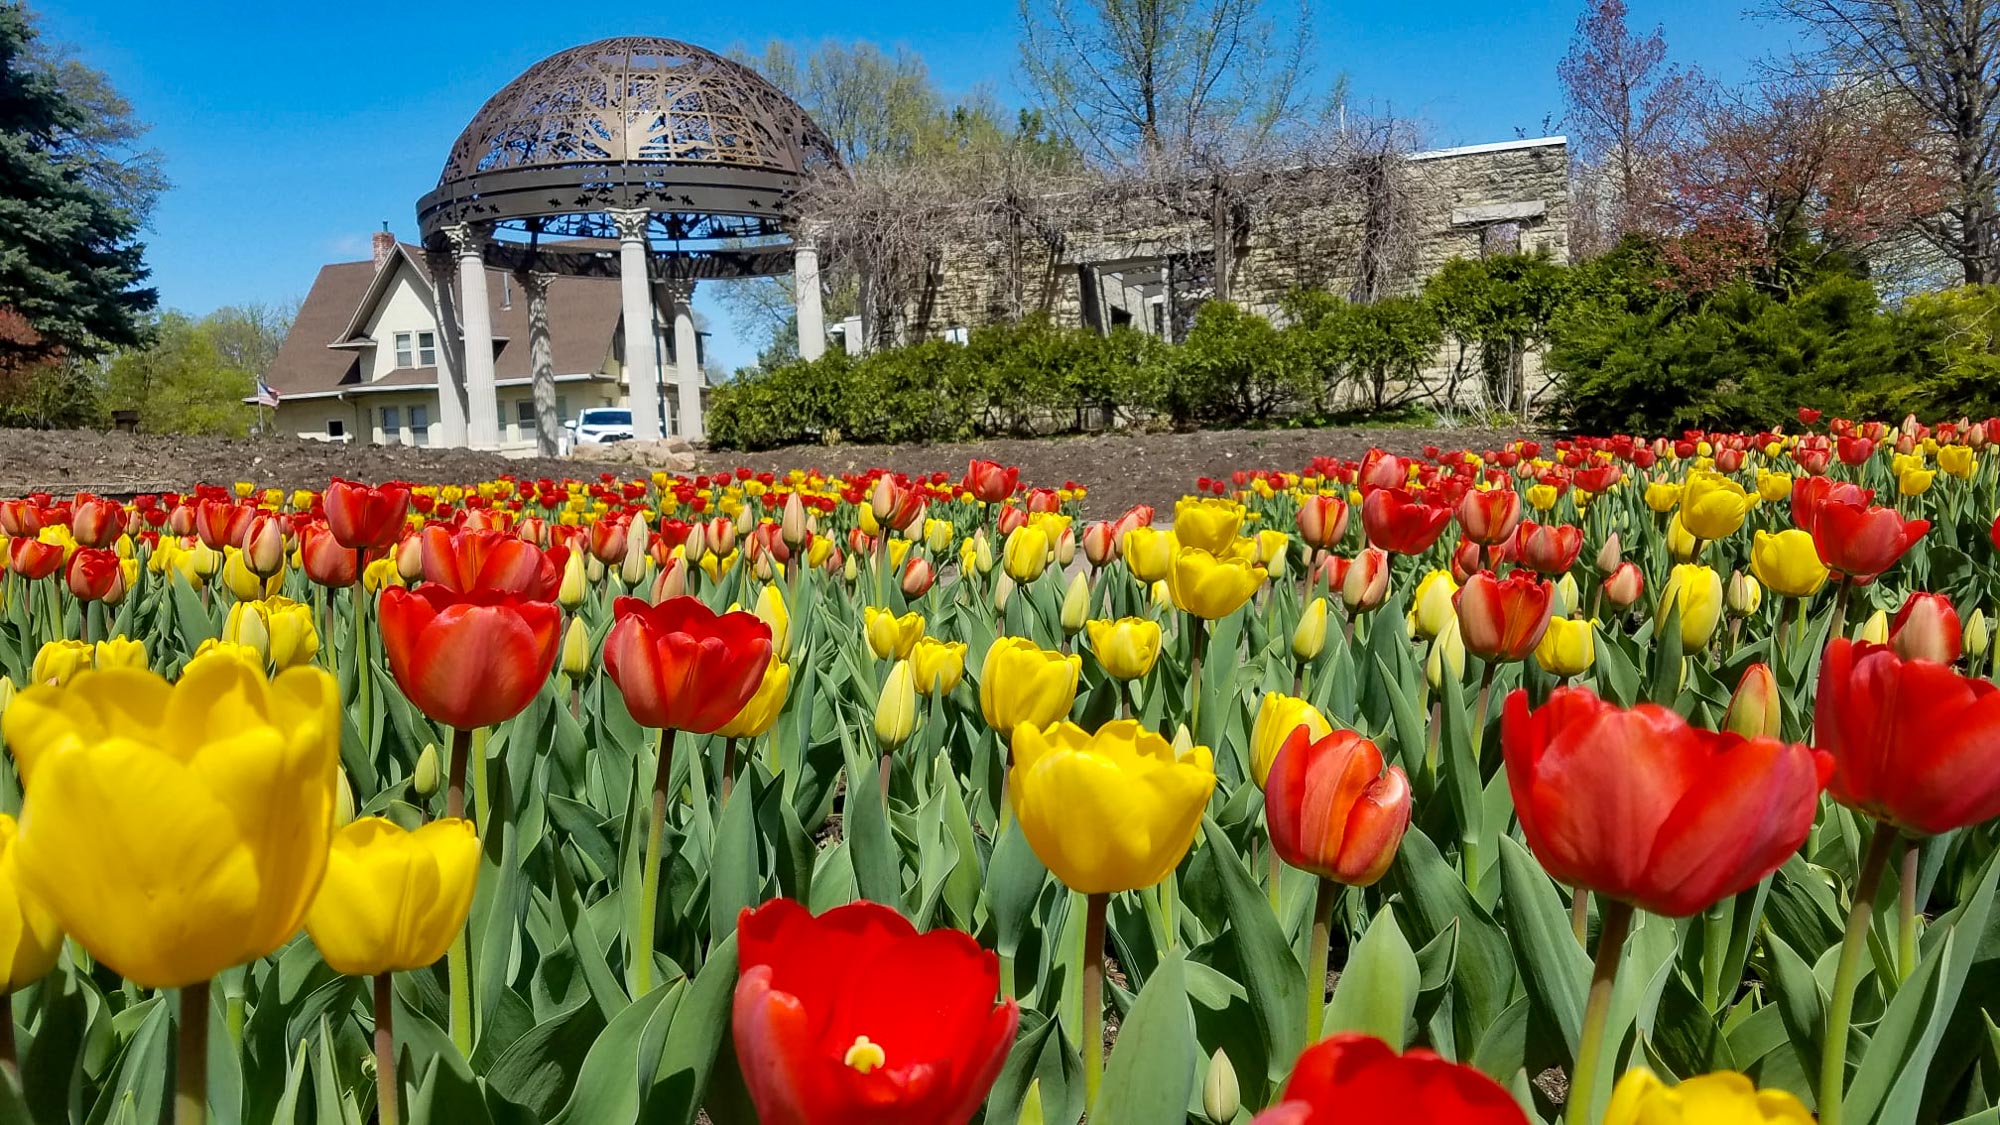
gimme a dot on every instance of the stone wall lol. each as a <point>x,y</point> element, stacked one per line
<point>1461,203</point>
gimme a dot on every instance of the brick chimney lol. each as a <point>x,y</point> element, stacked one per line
<point>385,244</point>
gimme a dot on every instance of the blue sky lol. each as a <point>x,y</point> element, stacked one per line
<point>292,130</point>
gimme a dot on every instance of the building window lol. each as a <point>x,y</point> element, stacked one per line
<point>392,424</point>
<point>524,411</point>
<point>500,419</point>
<point>427,349</point>
<point>562,409</point>
<point>404,354</point>
<point>1499,238</point>
<point>335,428</point>
<point>420,424</point>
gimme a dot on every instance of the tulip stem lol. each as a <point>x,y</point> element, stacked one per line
<point>9,1060</point>
<point>191,1057</point>
<point>454,786</point>
<point>728,767</point>
<point>1322,942</point>
<point>386,1087</point>
<point>1906,912</point>
<point>1579,916</point>
<point>1833,1051</point>
<point>363,702</point>
<point>1197,647</point>
<point>1616,922</point>
<point>1093,997</point>
<point>458,971</point>
<point>1840,593</point>
<point>649,875</point>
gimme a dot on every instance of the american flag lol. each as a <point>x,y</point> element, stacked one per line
<point>267,395</point>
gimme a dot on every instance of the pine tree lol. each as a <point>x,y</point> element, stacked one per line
<point>70,260</point>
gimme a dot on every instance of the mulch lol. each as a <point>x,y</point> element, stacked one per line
<point>1120,470</point>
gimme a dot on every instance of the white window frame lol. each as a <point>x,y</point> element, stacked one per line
<point>405,343</point>
<point>427,352</point>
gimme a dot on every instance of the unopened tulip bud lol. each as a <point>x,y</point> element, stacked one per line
<point>1221,1096</point>
<point>1183,740</point>
<point>1309,639</point>
<point>1754,711</point>
<point>343,800</point>
<point>1876,629</point>
<point>792,524</point>
<point>1031,1105</point>
<point>671,582</point>
<point>1975,635</point>
<point>1563,596</point>
<point>773,612</point>
<point>745,521</point>
<point>1075,604</point>
<point>424,780</point>
<point>850,570</point>
<point>1927,628</point>
<point>6,693</point>
<point>1002,590</point>
<point>765,568</point>
<point>896,708</point>
<point>1431,610</point>
<point>882,499</point>
<point>264,546</point>
<point>918,574</point>
<point>1743,595</point>
<point>1610,555</point>
<point>1100,543</point>
<point>695,546</point>
<point>593,570</point>
<point>570,593</point>
<point>410,558</point>
<point>246,625</point>
<point>1366,583</point>
<point>1446,659</point>
<point>1625,586</point>
<point>1163,597</point>
<point>1065,547</point>
<point>576,649</point>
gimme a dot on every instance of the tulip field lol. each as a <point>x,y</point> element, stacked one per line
<point>1602,780</point>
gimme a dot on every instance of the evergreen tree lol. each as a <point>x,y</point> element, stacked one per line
<point>70,260</point>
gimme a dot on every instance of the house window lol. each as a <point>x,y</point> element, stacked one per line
<point>335,428</point>
<point>392,424</point>
<point>404,354</point>
<point>562,409</point>
<point>420,424</point>
<point>1499,238</point>
<point>524,411</point>
<point>500,419</point>
<point>427,349</point>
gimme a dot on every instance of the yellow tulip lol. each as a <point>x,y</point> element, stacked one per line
<point>1149,553</point>
<point>1277,717</point>
<point>1210,524</point>
<point>1542,497</point>
<point>1697,590</point>
<point>237,576</point>
<point>570,593</point>
<point>939,665</point>
<point>1787,562</point>
<point>1914,481</point>
<point>30,938</point>
<point>1211,588</point>
<point>1446,658</point>
<point>1273,550</point>
<point>1127,647</point>
<point>1111,811</point>
<point>1309,638</point>
<point>938,535</point>
<point>1743,595</point>
<point>896,707</point>
<point>1075,604</point>
<point>771,611</point>
<point>1431,609</point>
<point>1662,496</point>
<point>982,552</point>
<point>120,652</point>
<point>761,713</point>
<point>293,638</point>
<point>1713,506</point>
<point>178,830</point>
<point>1722,1098</point>
<point>60,660</point>
<point>891,637</point>
<point>380,575</point>
<point>575,659</point>
<point>1773,487</point>
<point>214,649</point>
<point>1568,648</point>
<point>1875,630</point>
<point>393,900</point>
<point>1026,553</point>
<point>1021,682</point>
<point>1681,542</point>
<point>1975,637</point>
<point>1958,460</point>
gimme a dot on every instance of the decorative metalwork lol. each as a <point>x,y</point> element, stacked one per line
<point>705,145</point>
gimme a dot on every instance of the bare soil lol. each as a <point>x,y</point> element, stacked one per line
<point>1120,470</point>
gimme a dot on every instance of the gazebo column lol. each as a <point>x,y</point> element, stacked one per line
<point>642,373</point>
<point>805,294</point>
<point>541,361</point>
<point>451,353</point>
<point>687,358</point>
<point>482,400</point>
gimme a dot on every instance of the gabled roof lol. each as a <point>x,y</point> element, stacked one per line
<point>325,348</point>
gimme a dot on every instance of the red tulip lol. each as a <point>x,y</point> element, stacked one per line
<point>1010,517</point>
<point>326,560</point>
<point>1044,500</point>
<point>1366,583</point>
<point>1913,742</point>
<point>918,574</point>
<point>490,560</point>
<point>32,558</point>
<point>1808,416</point>
<point>1332,571</point>
<point>362,517</point>
<point>21,517</point>
<point>1927,628</point>
<point>1502,619</point>
<point>264,546</point>
<point>1643,808</point>
<point>1807,495</point>
<point>1381,470</point>
<point>1993,533</point>
<point>1331,808</point>
<point>470,658</point>
<point>987,481</point>
<point>1398,521</point>
<point>1489,517</point>
<point>607,539</point>
<point>1625,585</point>
<point>1352,1077</point>
<point>221,523</point>
<point>681,666</point>
<point>96,523</point>
<point>1322,521</point>
<point>1854,450</point>
<point>1549,548</point>
<point>1861,542</point>
<point>855,1018</point>
<point>93,574</point>
<point>1100,546</point>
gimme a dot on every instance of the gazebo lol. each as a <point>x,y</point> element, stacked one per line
<point>686,162</point>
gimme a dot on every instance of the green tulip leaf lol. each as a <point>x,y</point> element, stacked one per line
<point>1377,991</point>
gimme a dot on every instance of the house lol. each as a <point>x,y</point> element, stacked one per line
<point>362,358</point>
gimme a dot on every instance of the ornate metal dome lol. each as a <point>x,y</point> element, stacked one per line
<point>705,143</point>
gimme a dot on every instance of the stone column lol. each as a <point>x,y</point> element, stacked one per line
<point>450,421</point>
<point>541,362</point>
<point>687,357</point>
<point>805,294</point>
<point>482,405</point>
<point>642,373</point>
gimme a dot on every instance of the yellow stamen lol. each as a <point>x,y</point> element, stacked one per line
<point>864,1056</point>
